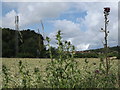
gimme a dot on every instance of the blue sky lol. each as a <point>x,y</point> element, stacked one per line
<point>80,22</point>
<point>71,15</point>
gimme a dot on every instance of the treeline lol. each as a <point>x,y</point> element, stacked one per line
<point>96,53</point>
<point>31,46</point>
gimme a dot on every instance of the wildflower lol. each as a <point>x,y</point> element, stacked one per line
<point>97,71</point>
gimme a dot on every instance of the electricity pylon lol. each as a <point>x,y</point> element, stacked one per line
<point>16,33</point>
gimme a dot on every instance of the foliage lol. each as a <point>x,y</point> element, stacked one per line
<point>6,76</point>
<point>30,47</point>
<point>95,53</point>
<point>33,46</point>
<point>86,55</point>
<point>23,78</point>
<point>62,71</point>
<point>92,74</point>
<point>96,78</point>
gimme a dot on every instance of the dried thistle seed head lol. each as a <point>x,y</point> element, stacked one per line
<point>97,71</point>
<point>107,9</point>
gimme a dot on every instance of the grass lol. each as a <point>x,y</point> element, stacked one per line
<point>35,62</point>
<point>31,63</point>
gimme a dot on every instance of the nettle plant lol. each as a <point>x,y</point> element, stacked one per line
<point>62,71</point>
<point>27,79</point>
<point>24,78</point>
<point>6,77</point>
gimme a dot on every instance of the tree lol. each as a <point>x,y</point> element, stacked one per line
<point>28,48</point>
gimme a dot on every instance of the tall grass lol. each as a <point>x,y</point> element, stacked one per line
<point>62,71</point>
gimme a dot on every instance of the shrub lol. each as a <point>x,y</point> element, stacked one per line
<point>62,71</point>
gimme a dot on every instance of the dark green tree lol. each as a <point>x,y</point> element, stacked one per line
<point>31,45</point>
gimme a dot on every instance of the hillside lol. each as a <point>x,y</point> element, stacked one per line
<point>95,53</point>
<point>31,46</point>
<point>28,44</point>
<point>111,49</point>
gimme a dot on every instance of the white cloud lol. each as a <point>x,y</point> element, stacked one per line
<point>67,26</point>
<point>71,32</point>
<point>94,21</point>
<point>91,38</point>
<point>83,46</point>
<point>8,20</point>
<point>33,12</point>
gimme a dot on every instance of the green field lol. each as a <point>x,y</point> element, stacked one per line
<point>31,63</point>
<point>12,63</point>
<point>41,63</point>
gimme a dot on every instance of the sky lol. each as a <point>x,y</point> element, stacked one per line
<point>80,22</point>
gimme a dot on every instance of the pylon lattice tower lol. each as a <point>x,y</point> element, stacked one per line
<point>16,34</point>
